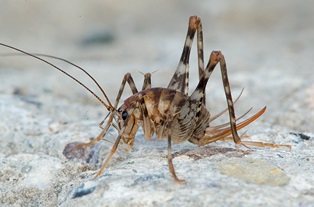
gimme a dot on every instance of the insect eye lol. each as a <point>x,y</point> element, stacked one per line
<point>124,114</point>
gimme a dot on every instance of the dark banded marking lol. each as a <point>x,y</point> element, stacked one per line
<point>226,84</point>
<point>186,54</point>
<point>180,79</point>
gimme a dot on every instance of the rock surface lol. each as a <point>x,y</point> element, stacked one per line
<point>268,47</point>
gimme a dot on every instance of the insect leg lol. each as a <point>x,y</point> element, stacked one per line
<point>200,50</point>
<point>147,81</point>
<point>127,78</point>
<point>170,164</point>
<point>187,119</point>
<point>198,94</point>
<point>225,80</point>
<point>200,55</point>
<point>114,148</point>
<point>180,79</point>
<point>147,126</point>
<point>233,126</point>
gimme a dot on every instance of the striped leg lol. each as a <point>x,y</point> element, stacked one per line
<point>225,80</point>
<point>217,55</point>
<point>180,79</point>
<point>114,147</point>
<point>127,78</point>
<point>196,98</point>
<point>224,74</point>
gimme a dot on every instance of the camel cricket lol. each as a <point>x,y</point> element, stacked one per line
<point>169,112</point>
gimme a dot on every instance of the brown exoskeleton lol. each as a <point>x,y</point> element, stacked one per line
<point>170,112</point>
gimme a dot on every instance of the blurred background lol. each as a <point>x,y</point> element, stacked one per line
<point>268,46</point>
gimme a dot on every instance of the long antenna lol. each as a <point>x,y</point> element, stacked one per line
<point>109,108</point>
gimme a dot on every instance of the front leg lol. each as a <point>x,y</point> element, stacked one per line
<point>127,78</point>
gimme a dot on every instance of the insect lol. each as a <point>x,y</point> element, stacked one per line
<point>170,112</point>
